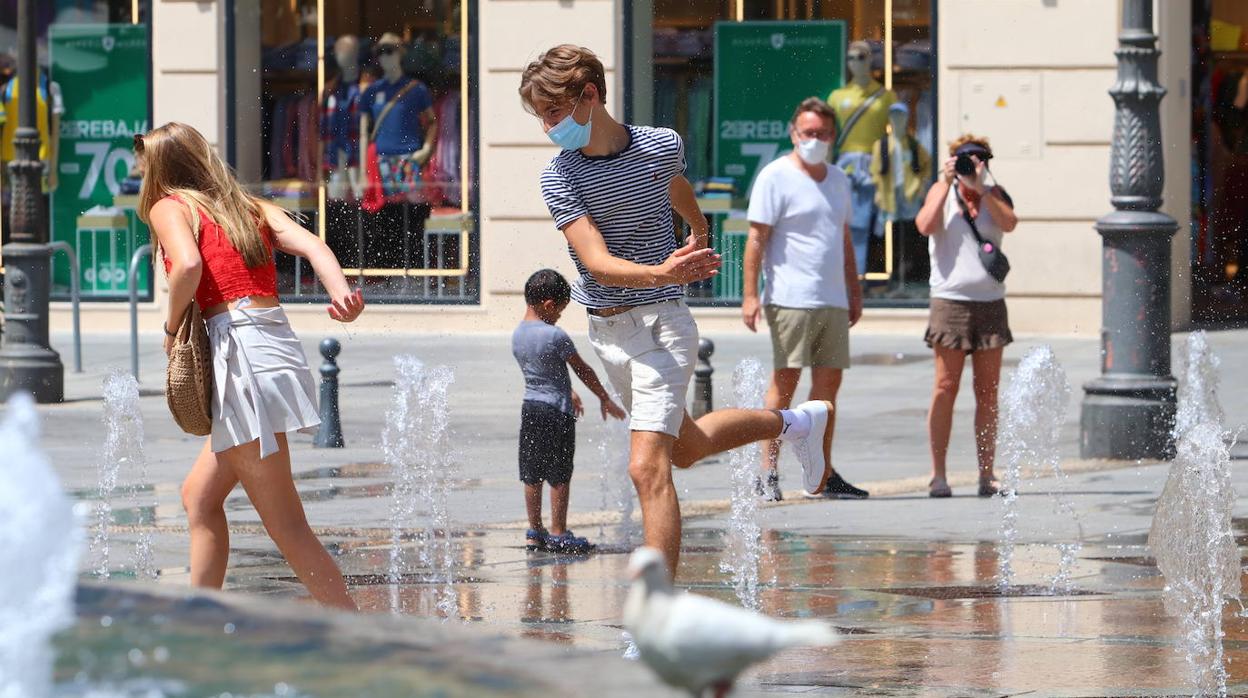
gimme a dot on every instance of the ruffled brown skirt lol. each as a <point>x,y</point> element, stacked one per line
<point>970,326</point>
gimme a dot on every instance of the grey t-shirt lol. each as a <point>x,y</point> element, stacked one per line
<point>543,351</point>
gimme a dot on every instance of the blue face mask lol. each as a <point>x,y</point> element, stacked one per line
<point>568,134</point>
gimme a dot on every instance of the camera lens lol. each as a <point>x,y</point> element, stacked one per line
<point>964,165</point>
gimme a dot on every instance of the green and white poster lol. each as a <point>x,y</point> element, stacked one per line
<point>762,71</point>
<point>102,70</point>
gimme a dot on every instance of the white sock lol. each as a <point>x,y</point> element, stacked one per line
<point>796,425</point>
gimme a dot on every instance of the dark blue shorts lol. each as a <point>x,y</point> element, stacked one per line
<point>547,443</point>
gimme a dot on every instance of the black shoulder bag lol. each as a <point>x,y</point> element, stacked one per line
<point>990,254</point>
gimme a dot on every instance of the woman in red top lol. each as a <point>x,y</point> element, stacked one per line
<point>217,243</point>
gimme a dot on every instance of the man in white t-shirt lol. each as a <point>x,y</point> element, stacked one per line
<point>799,238</point>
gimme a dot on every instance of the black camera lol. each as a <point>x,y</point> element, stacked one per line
<point>965,165</point>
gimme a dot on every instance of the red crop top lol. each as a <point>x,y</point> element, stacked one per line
<point>225,276</point>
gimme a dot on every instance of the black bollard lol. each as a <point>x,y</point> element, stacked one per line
<point>702,379</point>
<point>330,433</point>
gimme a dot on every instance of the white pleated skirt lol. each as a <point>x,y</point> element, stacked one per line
<point>262,385</point>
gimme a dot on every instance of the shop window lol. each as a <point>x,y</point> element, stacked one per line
<point>370,141</point>
<point>92,97</point>
<point>1219,161</point>
<point>902,62</point>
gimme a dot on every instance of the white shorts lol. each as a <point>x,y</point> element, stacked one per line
<point>262,385</point>
<point>649,353</point>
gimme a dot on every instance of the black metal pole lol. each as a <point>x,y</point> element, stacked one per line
<point>703,398</point>
<point>27,363</point>
<point>330,433</point>
<point>1128,412</point>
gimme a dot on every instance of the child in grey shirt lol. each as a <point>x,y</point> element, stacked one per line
<point>548,415</point>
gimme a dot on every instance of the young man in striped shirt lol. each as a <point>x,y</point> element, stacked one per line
<point>611,191</point>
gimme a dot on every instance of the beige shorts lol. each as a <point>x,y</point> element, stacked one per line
<point>816,337</point>
<point>649,353</point>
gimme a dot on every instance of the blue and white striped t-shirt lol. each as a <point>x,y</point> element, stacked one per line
<point>626,196</point>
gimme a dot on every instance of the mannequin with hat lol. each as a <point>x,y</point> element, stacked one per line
<point>398,132</point>
<point>861,108</point>
<point>899,170</point>
<point>397,124</point>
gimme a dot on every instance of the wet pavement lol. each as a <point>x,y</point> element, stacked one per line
<point>910,581</point>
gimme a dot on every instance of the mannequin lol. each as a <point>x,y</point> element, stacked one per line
<point>398,132</point>
<point>861,118</point>
<point>339,113</point>
<point>899,171</point>
<point>407,131</point>
<point>48,110</point>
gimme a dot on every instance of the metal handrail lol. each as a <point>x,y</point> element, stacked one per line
<point>75,294</point>
<point>132,283</point>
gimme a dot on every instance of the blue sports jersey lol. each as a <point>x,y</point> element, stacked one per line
<point>401,132</point>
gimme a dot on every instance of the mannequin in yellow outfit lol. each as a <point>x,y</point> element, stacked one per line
<point>899,190</point>
<point>900,168</point>
<point>857,136</point>
<point>48,110</point>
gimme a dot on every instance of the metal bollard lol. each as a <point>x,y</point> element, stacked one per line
<point>702,378</point>
<point>132,285</point>
<point>330,433</point>
<point>75,295</point>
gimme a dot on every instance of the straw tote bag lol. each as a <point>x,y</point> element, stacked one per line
<point>188,379</point>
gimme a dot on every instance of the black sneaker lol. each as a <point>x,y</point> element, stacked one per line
<point>837,488</point>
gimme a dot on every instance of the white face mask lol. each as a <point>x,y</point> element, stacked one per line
<point>813,151</point>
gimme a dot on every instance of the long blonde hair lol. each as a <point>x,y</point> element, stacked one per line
<point>177,160</point>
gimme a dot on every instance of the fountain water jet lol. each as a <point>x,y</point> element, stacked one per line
<point>1032,411</point>
<point>123,452</point>
<point>1191,536</point>
<point>416,446</point>
<point>41,536</point>
<point>743,551</point>
<point>615,485</point>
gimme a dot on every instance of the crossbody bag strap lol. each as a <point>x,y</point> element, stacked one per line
<point>852,121</point>
<point>966,214</point>
<point>385,111</point>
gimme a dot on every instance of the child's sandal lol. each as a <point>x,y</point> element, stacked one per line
<point>536,539</point>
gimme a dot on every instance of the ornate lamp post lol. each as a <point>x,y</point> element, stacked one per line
<point>1129,411</point>
<point>27,363</point>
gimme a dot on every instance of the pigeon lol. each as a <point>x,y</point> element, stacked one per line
<point>700,644</point>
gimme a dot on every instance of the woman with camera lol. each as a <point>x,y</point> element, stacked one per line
<point>964,217</point>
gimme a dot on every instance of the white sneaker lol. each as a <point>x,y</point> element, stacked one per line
<point>809,448</point>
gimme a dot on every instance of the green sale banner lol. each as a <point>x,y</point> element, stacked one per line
<point>762,71</point>
<point>102,70</point>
